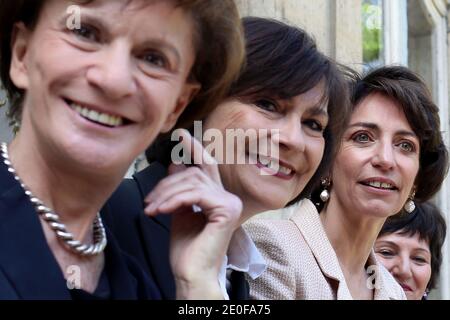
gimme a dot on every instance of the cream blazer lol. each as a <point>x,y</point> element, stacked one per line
<point>302,264</point>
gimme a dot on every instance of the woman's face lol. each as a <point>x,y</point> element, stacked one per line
<point>378,161</point>
<point>408,259</point>
<point>300,121</point>
<point>99,94</point>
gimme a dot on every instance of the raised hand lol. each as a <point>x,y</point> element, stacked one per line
<point>199,241</point>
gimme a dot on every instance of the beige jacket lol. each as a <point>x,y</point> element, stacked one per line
<point>301,263</point>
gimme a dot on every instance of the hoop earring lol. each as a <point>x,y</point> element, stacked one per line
<point>410,206</point>
<point>325,195</point>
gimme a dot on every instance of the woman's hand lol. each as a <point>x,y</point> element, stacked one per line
<point>199,241</point>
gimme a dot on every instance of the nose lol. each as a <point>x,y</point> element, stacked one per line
<point>402,269</point>
<point>112,73</point>
<point>384,157</point>
<point>291,135</point>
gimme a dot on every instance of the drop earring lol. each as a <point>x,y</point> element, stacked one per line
<point>325,194</point>
<point>410,206</point>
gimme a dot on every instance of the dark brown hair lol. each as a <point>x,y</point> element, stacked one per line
<point>410,91</point>
<point>283,61</point>
<point>218,41</point>
<point>428,223</point>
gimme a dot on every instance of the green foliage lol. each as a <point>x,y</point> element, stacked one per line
<point>372,32</point>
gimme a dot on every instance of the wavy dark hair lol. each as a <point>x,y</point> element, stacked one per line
<point>283,61</point>
<point>411,93</point>
<point>428,222</point>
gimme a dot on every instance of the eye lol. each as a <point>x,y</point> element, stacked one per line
<point>267,105</point>
<point>87,33</point>
<point>420,260</point>
<point>314,125</point>
<point>155,58</point>
<point>385,253</point>
<point>361,137</point>
<point>407,146</point>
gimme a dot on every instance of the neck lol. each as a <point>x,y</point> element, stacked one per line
<point>249,211</point>
<point>76,195</point>
<point>352,235</point>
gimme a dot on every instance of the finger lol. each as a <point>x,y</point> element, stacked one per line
<point>200,156</point>
<point>183,200</point>
<point>191,175</point>
<point>167,194</point>
<point>180,200</point>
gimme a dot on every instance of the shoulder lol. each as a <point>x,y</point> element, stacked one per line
<point>126,204</point>
<point>287,255</point>
<point>278,237</point>
<point>391,287</point>
<point>283,235</point>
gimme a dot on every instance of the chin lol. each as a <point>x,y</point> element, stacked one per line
<point>269,204</point>
<point>97,158</point>
<point>412,296</point>
<point>380,210</point>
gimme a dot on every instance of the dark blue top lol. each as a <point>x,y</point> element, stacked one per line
<point>147,239</point>
<point>29,270</point>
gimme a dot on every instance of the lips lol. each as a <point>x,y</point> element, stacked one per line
<point>380,183</point>
<point>96,116</point>
<point>405,287</point>
<point>273,167</point>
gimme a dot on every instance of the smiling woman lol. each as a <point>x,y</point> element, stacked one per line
<point>391,150</point>
<point>410,247</point>
<point>286,86</point>
<point>88,101</point>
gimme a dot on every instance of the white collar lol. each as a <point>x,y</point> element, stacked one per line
<point>242,256</point>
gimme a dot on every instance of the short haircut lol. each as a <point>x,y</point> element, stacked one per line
<point>428,223</point>
<point>283,61</point>
<point>218,42</point>
<point>411,93</point>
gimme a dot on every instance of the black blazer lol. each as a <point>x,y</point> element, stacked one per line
<point>147,238</point>
<point>29,270</point>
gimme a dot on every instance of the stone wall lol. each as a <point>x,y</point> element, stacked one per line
<point>335,24</point>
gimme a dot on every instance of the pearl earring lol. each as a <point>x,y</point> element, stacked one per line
<point>410,206</point>
<point>325,195</point>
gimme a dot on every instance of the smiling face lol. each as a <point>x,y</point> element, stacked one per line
<point>408,259</point>
<point>378,161</point>
<point>300,121</point>
<point>97,96</point>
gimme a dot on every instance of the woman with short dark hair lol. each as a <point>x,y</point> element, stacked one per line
<point>87,100</point>
<point>391,154</point>
<point>410,247</point>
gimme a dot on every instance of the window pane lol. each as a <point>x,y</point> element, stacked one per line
<point>372,18</point>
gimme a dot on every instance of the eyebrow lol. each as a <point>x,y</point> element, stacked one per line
<point>387,242</point>
<point>423,250</point>
<point>375,127</point>
<point>98,22</point>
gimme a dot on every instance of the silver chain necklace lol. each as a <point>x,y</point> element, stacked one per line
<point>54,222</point>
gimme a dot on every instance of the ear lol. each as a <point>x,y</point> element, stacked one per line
<point>19,46</point>
<point>189,92</point>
